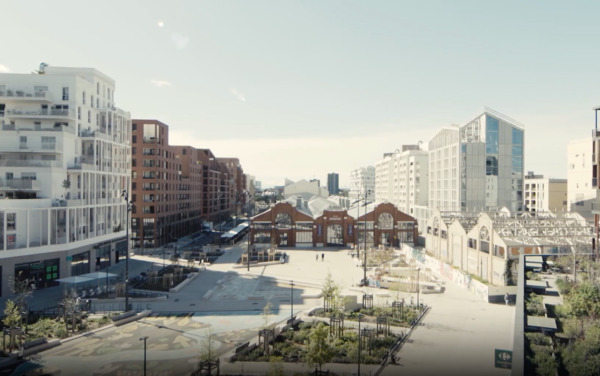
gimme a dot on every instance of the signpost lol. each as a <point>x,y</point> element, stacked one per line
<point>503,358</point>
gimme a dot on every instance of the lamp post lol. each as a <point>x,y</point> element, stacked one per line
<point>359,344</point>
<point>220,196</point>
<point>292,284</point>
<point>249,235</point>
<point>365,239</point>
<point>144,339</point>
<point>418,305</point>
<point>129,204</point>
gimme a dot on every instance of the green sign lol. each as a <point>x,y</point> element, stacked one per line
<point>503,359</point>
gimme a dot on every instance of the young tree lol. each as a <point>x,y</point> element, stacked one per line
<point>267,311</point>
<point>12,319</point>
<point>584,302</point>
<point>330,291</point>
<point>208,347</point>
<point>320,350</point>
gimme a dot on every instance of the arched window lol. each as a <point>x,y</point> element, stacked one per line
<point>283,221</point>
<point>385,221</point>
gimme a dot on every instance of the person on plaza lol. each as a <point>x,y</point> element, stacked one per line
<point>322,257</point>
<point>506,298</point>
<point>317,258</point>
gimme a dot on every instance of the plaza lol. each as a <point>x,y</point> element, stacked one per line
<point>458,335</point>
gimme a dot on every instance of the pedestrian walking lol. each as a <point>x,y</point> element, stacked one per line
<point>317,258</point>
<point>322,257</point>
<point>506,298</point>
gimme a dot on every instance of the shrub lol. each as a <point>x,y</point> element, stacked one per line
<point>564,286</point>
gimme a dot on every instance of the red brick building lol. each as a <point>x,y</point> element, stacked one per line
<point>176,188</point>
<point>297,224</point>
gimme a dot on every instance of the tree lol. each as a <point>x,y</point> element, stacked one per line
<point>583,356</point>
<point>207,347</point>
<point>21,288</point>
<point>320,350</point>
<point>330,293</point>
<point>584,302</point>
<point>69,304</point>
<point>12,319</point>
<point>267,311</point>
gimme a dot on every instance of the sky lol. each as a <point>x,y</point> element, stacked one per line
<point>299,89</point>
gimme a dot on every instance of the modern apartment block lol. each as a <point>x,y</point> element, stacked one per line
<point>401,178</point>
<point>542,194</point>
<point>581,176</point>
<point>166,187</point>
<point>64,162</point>
<point>362,180</point>
<point>333,183</point>
<point>477,166</point>
<point>177,188</point>
<point>235,189</point>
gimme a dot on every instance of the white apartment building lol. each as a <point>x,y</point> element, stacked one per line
<point>542,194</point>
<point>581,190</point>
<point>362,180</point>
<point>64,161</point>
<point>401,178</point>
<point>477,166</point>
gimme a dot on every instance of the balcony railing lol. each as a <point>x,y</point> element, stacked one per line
<point>21,184</point>
<point>26,95</point>
<point>59,113</point>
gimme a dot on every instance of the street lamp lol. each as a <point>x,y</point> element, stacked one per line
<point>368,191</point>
<point>359,344</point>
<point>418,305</point>
<point>220,196</point>
<point>129,204</point>
<point>144,339</point>
<point>292,284</point>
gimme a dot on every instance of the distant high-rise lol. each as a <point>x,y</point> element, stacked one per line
<point>401,178</point>
<point>477,166</point>
<point>333,183</point>
<point>362,181</point>
<point>582,188</point>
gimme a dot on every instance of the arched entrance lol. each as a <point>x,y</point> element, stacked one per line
<point>335,234</point>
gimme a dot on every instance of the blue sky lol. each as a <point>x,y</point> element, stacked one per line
<point>298,89</point>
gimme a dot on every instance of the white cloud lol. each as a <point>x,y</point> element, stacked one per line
<point>4,69</point>
<point>180,41</point>
<point>160,83</point>
<point>237,94</point>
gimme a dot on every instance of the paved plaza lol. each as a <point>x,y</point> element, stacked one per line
<point>226,301</point>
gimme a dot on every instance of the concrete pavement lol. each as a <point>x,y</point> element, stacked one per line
<point>458,336</point>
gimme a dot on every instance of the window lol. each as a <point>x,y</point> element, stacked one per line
<point>89,116</point>
<point>97,87</point>
<point>49,143</point>
<point>78,113</point>
<point>28,176</point>
<point>83,97</point>
<point>11,223</point>
<point>65,93</point>
<point>23,142</point>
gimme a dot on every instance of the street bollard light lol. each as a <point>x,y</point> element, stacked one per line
<point>144,339</point>
<point>292,284</point>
